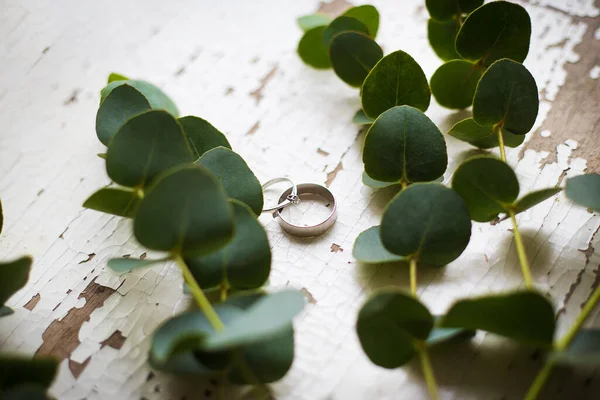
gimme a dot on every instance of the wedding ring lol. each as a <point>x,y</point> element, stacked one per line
<point>309,230</point>
<point>284,201</point>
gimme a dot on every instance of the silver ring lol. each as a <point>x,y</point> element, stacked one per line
<point>312,230</point>
<point>284,201</point>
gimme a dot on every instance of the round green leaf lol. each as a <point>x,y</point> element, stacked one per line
<point>453,84</point>
<point>156,97</point>
<point>441,37</point>
<point>534,198</point>
<point>116,77</point>
<point>185,211</point>
<point>375,184</point>
<point>445,335</point>
<point>343,24</point>
<point>202,135</point>
<point>237,179</point>
<point>4,311</point>
<point>403,144</point>
<point>16,370</point>
<point>396,80</point>
<point>244,263</point>
<point>268,317</point>
<point>585,190</point>
<point>352,56</point>
<point>121,202</point>
<point>308,22</point>
<point>145,146</point>
<point>312,49</point>
<point>120,105</point>
<point>428,221</point>
<point>360,118</point>
<point>507,95</point>
<point>525,316</point>
<point>584,350</point>
<point>369,249</point>
<point>388,325</point>
<point>368,15</point>
<point>443,10</point>
<point>495,30</point>
<point>13,276</point>
<point>488,186</point>
<point>483,137</point>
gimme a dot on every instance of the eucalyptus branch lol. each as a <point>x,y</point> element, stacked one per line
<point>428,373</point>
<point>413,276</point>
<point>199,296</point>
<point>498,131</point>
<point>525,269</point>
<point>544,374</point>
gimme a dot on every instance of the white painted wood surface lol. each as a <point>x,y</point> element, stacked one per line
<point>210,57</point>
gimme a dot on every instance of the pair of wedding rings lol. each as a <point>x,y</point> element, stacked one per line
<point>292,196</point>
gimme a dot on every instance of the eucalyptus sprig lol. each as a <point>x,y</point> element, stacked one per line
<point>21,377</point>
<point>195,200</point>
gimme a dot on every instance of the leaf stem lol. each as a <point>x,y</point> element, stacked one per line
<point>199,296</point>
<point>428,373</point>
<point>521,251</point>
<point>544,374</point>
<point>498,131</point>
<point>413,276</point>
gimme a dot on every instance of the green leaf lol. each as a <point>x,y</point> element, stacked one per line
<point>506,95</point>
<point>585,190</point>
<point>352,56</point>
<point>375,184</point>
<point>4,311</point>
<point>388,326</point>
<point>483,137</point>
<point>584,350</point>
<point>443,10</point>
<point>525,316</point>
<point>237,178</point>
<point>185,211</point>
<point>312,49</point>
<point>270,316</point>
<point>445,335</point>
<point>121,202</point>
<point>488,186</point>
<point>156,97</point>
<point>243,263</point>
<point>403,144</point>
<point>126,264</point>
<point>441,37</point>
<point>343,24</point>
<point>428,221</point>
<point>308,22</point>
<point>453,84</point>
<point>368,15</point>
<point>368,248</point>
<point>495,30</point>
<point>119,106</point>
<point>26,391</point>
<point>116,77</point>
<point>16,370</point>
<point>145,146</point>
<point>13,276</point>
<point>202,135</point>
<point>269,360</point>
<point>360,118</point>
<point>396,80</point>
<point>534,198</point>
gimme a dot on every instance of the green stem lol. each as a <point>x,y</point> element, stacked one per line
<point>199,296</point>
<point>542,377</point>
<point>498,131</point>
<point>539,382</point>
<point>521,251</point>
<point>428,374</point>
<point>413,276</point>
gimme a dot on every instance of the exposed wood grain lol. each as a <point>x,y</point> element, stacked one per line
<point>30,305</point>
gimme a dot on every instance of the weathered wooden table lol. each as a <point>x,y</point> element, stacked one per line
<point>234,63</point>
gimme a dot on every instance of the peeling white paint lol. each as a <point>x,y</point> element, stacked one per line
<point>545,133</point>
<point>595,72</point>
<point>48,145</point>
